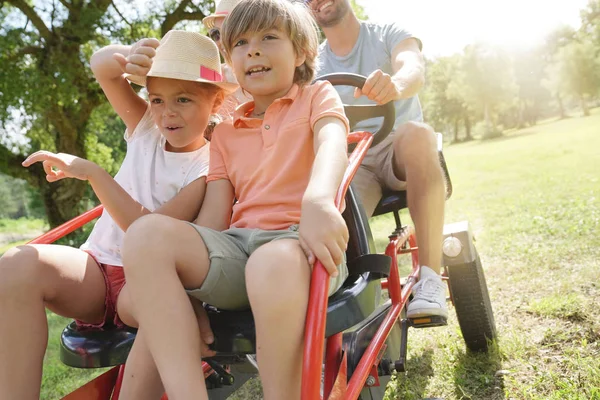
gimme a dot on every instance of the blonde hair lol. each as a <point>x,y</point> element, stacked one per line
<point>291,17</point>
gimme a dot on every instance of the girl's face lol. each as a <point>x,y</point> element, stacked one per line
<point>181,110</point>
<point>264,63</point>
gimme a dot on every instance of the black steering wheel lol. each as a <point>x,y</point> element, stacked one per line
<point>357,113</point>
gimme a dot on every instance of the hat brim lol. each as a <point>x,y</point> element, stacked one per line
<point>209,21</point>
<point>228,87</point>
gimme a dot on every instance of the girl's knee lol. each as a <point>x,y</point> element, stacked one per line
<point>19,269</point>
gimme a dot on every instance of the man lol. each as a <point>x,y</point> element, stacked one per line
<point>407,160</point>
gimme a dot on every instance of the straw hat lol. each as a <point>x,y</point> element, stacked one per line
<point>188,56</point>
<point>223,9</point>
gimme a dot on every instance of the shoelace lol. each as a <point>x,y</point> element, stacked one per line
<point>427,288</point>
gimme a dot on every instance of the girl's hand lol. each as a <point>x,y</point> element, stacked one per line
<point>140,57</point>
<point>323,234</point>
<point>61,165</point>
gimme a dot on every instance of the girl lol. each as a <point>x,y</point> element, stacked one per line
<point>163,172</point>
<point>282,157</point>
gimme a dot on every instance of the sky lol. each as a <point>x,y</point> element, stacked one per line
<point>447,26</point>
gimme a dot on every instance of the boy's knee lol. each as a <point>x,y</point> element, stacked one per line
<point>147,233</point>
<point>18,269</point>
<point>278,267</point>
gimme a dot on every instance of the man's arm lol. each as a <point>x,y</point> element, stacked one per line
<point>408,76</point>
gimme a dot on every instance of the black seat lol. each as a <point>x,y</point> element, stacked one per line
<point>391,201</point>
<point>234,330</point>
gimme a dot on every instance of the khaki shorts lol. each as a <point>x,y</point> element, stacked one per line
<point>228,251</point>
<point>375,173</point>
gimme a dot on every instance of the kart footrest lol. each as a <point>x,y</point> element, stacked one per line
<point>428,321</point>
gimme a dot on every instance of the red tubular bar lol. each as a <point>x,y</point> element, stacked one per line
<point>333,358</point>
<point>316,316</point>
<point>68,227</point>
<point>398,298</point>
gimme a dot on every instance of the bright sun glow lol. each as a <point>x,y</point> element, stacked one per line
<point>446,26</point>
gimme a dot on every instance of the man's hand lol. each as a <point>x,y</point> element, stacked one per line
<point>206,334</point>
<point>61,165</point>
<point>140,57</point>
<point>380,87</point>
<point>323,234</point>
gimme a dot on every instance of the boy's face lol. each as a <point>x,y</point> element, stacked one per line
<point>181,110</point>
<point>264,62</point>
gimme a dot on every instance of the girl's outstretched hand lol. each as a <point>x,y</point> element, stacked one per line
<point>139,60</point>
<point>61,165</point>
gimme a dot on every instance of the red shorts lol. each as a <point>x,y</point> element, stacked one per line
<point>114,278</point>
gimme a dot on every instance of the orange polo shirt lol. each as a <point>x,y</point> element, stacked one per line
<point>269,161</point>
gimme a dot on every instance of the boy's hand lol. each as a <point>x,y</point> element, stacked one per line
<point>206,334</point>
<point>323,234</point>
<point>61,165</point>
<point>140,57</point>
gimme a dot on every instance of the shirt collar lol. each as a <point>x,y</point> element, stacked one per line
<point>241,115</point>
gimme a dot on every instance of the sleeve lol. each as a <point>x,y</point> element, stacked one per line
<point>393,34</point>
<point>143,127</point>
<point>199,168</point>
<point>326,102</point>
<point>217,168</point>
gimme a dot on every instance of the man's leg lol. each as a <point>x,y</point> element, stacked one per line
<point>416,162</point>
<point>278,282</point>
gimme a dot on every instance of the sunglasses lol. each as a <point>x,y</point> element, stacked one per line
<point>215,34</point>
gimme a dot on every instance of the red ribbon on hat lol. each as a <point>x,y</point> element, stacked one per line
<point>210,74</point>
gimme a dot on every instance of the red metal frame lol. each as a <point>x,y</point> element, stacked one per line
<point>314,336</point>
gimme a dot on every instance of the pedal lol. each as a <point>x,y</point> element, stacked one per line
<point>428,321</point>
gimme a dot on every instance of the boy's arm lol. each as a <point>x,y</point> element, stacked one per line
<point>323,232</point>
<point>218,202</point>
<point>108,65</point>
<point>119,204</point>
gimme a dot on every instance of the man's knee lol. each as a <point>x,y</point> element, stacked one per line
<point>417,139</point>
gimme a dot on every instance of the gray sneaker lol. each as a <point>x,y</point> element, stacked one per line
<point>429,299</point>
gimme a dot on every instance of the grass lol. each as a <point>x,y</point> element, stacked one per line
<point>532,198</point>
<point>22,225</point>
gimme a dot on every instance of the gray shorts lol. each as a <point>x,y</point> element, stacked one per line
<point>375,173</point>
<point>228,252</point>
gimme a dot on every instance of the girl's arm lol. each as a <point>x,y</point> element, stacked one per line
<point>120,205</point>
<point>109,64</point>
<point>323,232</point>
<point>216,209</point>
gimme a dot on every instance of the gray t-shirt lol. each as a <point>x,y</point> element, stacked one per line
<point>372,51</point>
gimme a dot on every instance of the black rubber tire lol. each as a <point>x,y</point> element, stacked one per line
<point>472,303</point>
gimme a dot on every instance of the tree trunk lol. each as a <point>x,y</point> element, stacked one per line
<point>561,106</point>
<point>62,200</point>
<point>455,140</point>
<point>584,107</point>
<point>468,129</point>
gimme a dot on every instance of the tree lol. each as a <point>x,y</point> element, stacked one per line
<point>444,108</point>
<point>48,92</point>
<point>590,22</point>
<point>579,68</point>
<point>485,80</point>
